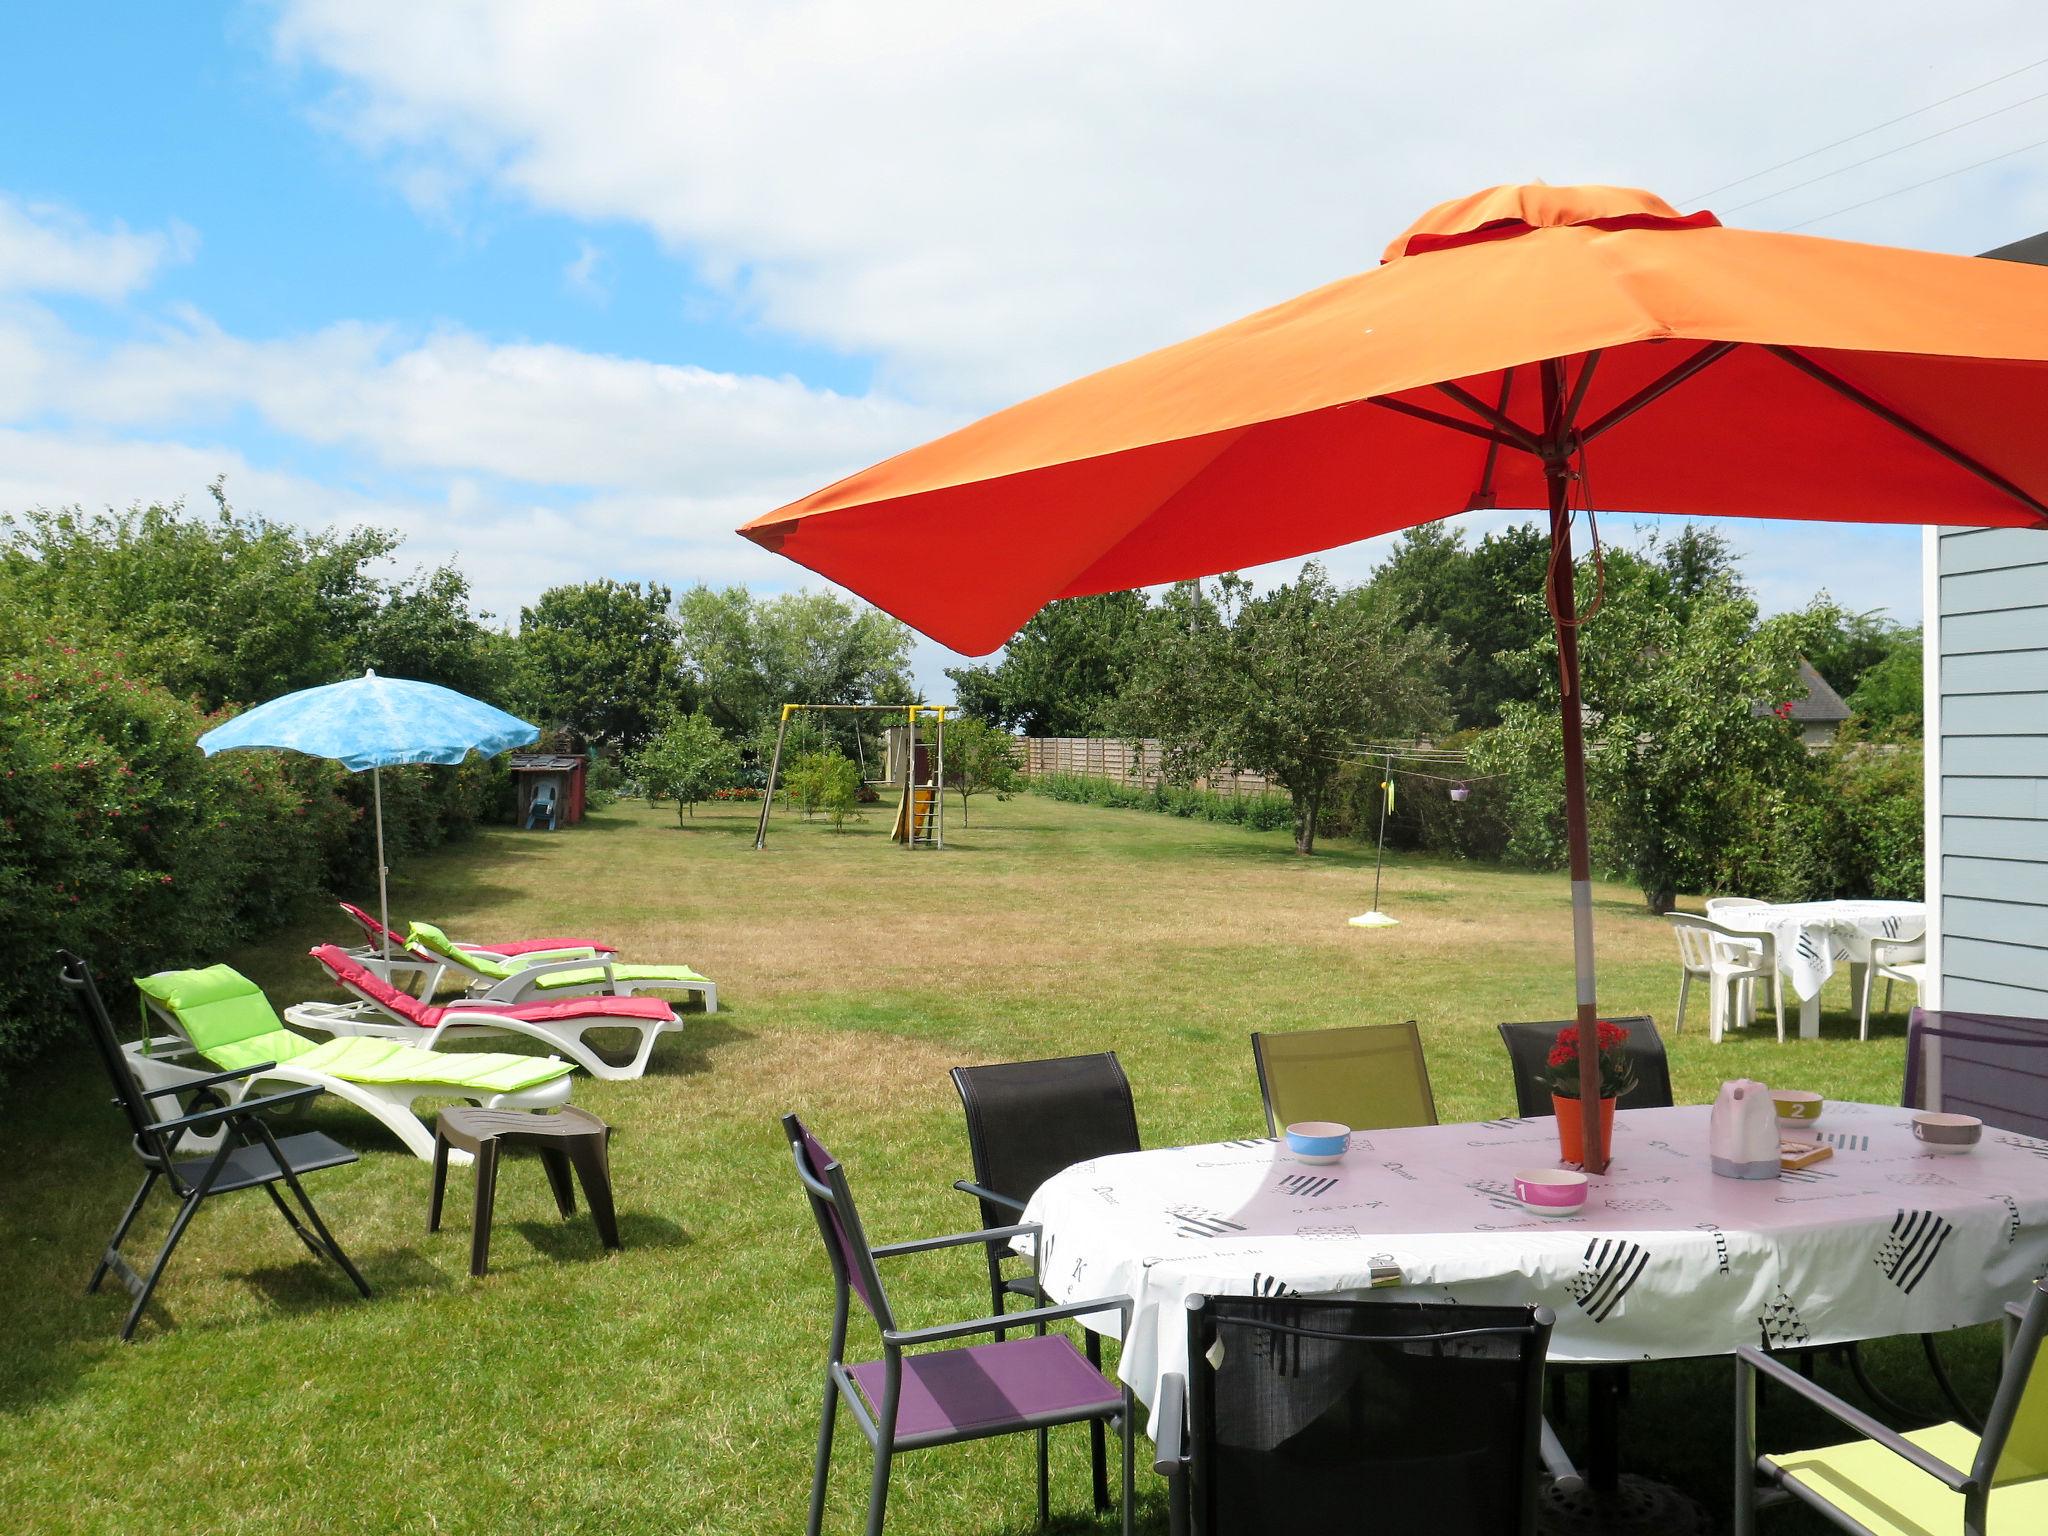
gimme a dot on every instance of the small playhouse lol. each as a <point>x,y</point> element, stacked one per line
<point>550,786</point>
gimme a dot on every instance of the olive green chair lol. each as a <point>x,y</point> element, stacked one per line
<point>1930,1482</point>
<point>1370,1077</point>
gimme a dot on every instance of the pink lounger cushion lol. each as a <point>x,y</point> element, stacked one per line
<point>360,979</point>
<point>538,946</point>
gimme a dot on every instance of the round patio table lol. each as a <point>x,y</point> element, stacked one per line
<point>1666,1260</point>
<point>1814,937</point>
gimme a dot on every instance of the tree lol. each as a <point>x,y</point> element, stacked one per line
<point>687,760</point>
<point>226,609</point>
<point>1486,602</point>
<point>748,656</point>
<point>1679,759</point>
<point>979,759</point>
<point>824,781</point>
<point>1287,684</point>
<point>1888,697</point>
<point>1062,674</point>
<point>599,658</point>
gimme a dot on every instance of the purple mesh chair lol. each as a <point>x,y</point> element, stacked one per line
<point>1026,1121</point>
<point>1989,1065</point>
<point>905,1401</point>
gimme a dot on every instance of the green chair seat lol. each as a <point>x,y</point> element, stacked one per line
<point>1889,1495</point>
<point>642,975</point>
<point>231,1023</point>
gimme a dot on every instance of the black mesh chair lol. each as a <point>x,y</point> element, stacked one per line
<point>248,1156</point>
<point>1309,1413</point>
<point>1529,1053</point>
<point>905,1401</point>
<point>1026,1121</point>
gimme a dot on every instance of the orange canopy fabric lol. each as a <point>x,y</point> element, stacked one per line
<point>1861,383</point>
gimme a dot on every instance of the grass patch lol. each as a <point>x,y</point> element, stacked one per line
<point>673,1386</point>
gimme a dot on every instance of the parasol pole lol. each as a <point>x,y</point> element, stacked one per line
<point>383,894</point>
<point>1563,610</point>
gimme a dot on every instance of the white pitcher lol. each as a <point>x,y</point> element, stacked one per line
<point>1743,1136</point>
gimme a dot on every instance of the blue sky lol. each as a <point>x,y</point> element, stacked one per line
<point>572,291</point>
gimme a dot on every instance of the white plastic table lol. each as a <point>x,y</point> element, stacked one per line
<point>1666,1261</point>
<point>1814,937</point>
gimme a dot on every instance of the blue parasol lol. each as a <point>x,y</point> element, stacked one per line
<point>375,722</point>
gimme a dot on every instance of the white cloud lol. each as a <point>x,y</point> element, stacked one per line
<point>451,401</point>
<point>993,198</point>
<point>581,274</point>
<point>49,249</point>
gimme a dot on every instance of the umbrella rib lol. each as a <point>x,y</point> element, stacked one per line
<point>1515,434</point>
<point>1456,424</point>
<point>1656,389</point>
<point>1911,428</point>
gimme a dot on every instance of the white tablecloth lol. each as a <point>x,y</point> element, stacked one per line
<point>1666,1260</point>
<point>1814,937</point>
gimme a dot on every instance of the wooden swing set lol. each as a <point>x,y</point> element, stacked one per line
<point>921,814</point>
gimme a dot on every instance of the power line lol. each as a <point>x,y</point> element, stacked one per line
<point>1885,154</point>
<point>1916,186</point>
<point>1865,133</point>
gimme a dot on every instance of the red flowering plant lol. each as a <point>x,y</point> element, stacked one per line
<point>1617,1069</point>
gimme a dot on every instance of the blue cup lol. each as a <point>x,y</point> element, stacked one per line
<point>1318,1140</point>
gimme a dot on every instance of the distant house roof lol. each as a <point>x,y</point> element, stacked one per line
<point>1819,705</point>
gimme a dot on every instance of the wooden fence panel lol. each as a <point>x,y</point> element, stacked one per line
<point>1108,757</point>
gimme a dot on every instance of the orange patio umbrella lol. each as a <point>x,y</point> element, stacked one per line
<point>1523,347</point>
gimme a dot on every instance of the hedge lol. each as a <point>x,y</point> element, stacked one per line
<point>1263,813</point>
<point>120,841</point>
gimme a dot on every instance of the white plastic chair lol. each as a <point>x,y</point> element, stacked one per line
<point>1726,961</point>
<point>1895,960</point>
<point>1716,905</point>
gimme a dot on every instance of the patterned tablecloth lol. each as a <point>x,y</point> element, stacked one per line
<point>1665,1261</point>
<point>1814,937</point>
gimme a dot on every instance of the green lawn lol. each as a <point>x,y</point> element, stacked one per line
<point>673,1387</point>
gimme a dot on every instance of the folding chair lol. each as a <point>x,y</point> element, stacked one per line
<point>248,1156</point>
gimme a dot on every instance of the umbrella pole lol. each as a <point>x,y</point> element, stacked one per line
<point>1563,608</point>
<point>383,894</point>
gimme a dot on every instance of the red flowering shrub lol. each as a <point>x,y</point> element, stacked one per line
<point>1617,1069</point>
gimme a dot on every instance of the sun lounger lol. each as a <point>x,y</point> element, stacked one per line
<point>527,978</point>
<point>557,949</point>
<point>225,1018</point>
<point>382,1011</point>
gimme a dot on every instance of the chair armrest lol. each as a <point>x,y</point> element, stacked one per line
<point>904,1337</point>
<point>533,957</point>
<point>549,967</point>
<point>956,1240</point>
<point>201,1117</point>
<point>1171,1454</point>
<point>208,1082</point>
<point>1783,1375</point>
<point>983,1192</point>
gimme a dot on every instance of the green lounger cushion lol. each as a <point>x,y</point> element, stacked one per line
<point>231,1023</point>
<point>643,975</point>
<point>1891,1496</point>
<point>428,937</point>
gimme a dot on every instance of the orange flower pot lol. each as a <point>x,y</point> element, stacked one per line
<point>1571,1128</point>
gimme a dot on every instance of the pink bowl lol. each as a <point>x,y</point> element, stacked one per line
<point>1551,1191</point>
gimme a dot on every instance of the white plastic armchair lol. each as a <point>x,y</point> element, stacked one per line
<point>1726,961</point>
<point>1895,960</point>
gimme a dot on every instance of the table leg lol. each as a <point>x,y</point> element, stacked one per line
<point>1809,1018</point>
<point>440,1182</point>
<point>556,1162</point>
<point>486,1200</point>
<point>593,1167</point>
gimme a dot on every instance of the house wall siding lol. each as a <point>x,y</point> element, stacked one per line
<point>1988,664</point>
